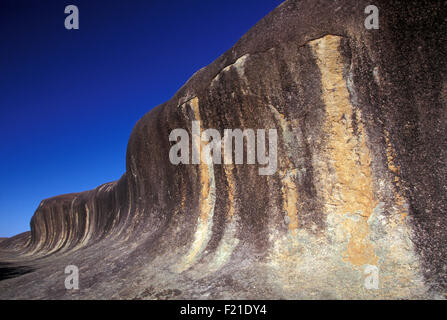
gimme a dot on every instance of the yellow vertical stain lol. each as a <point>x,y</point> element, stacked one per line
<point>352,191</point>
<point>290,199</point>
<point>395,170</point>
<point>204,168</point>
<point>195,108</point>
<point>206,204</point>
<point>231,190</point>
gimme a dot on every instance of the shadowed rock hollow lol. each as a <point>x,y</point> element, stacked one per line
<point>361,178</point>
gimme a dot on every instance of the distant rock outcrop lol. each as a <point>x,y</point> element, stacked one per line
<point>360,187</point>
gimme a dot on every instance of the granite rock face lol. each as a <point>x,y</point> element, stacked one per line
<point>360,185</point>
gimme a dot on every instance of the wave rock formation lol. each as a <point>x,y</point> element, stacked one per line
<point>361,180</point>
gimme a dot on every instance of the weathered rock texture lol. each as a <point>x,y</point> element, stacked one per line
<point>362,174</point>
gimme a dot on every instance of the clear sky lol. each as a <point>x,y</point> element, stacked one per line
<point>70,98</point>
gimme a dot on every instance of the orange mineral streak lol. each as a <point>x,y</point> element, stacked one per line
<point>204,192</point>
<point>349,190</point>
<point>395,170</point>
<point>231,190</point>
<point>290,199</point>
<point>204,169</point>
<point>206,203</point>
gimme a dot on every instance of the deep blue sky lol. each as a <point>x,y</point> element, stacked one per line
<point>70,98</point>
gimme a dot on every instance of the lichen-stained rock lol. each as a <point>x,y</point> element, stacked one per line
<point>359,190</point>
